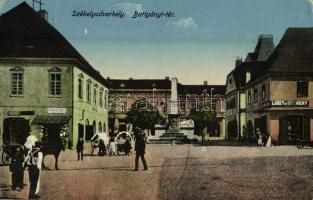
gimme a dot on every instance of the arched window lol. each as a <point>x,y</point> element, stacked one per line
<point>100,127</point>
<point>104,128</point>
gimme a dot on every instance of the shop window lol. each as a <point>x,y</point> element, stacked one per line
<point>302,89</point>
<point>263,92</point>
<point>255,95</point>
<point>55,82</point>
<point>17,81</point>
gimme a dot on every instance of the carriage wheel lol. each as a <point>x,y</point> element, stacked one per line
<point>6,158</point>
<point>300,146</point>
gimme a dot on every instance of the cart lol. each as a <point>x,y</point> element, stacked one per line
<point>304,143</point>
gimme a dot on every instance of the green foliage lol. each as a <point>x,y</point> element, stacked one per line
<point>143,115</point>
<point>202,117</point>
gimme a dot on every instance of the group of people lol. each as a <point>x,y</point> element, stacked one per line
<point>33,162</point>
<point>140,146</point>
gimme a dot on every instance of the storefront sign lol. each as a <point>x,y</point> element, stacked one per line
<point>278,103</point>
<point>56,110</point>
<point>18,113</point>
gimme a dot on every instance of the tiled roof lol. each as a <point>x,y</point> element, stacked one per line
<point>200,89</point>
<point>294,53</point>
<point>140,83</point>
<point>25,34</point>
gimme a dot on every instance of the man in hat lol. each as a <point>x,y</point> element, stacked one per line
<point>140,146</point>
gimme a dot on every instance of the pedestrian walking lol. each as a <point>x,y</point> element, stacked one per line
<point>34,162</point>
<point>112,146</point>
<point>80,149</point>
<point>101,148</point>
<point>17,169</point>
<point>140,147</point>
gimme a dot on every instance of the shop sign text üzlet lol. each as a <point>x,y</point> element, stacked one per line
<point>279,103</point>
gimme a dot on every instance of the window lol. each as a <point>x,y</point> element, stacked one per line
<point>101,98</point>
<point>302,89</point>
<point>80,88</point>
<point>88,91</point>
<point>95,95</point>
<point>255,95</point>
<point>248,76</point>
<point>55,81</point>
<point>105,99</point>
<point>263,92</point>
<point>249,97</point>
<point>17,80</point>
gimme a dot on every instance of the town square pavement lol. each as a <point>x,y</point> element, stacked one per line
<point>178,172</point>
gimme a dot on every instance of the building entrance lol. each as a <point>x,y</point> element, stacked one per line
<point>15,130</point>
<point>292,128</point>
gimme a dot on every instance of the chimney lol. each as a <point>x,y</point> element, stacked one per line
<point>238,61</point>
<point>43,14</point>
<point>205,82</point>
<point>108,78</point>
<point>131,78</point>
<point>167,78</point>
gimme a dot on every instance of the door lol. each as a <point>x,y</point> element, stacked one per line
<point>292,128</point>
<point>15,130</point>
<point>89,132</point>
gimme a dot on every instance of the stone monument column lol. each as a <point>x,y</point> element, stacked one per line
<point>174,97</point>
<point>173,115</point>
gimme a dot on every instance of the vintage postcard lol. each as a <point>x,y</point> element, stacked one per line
<point>156,99</point>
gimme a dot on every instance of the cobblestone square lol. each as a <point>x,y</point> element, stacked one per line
<point>178,172</point>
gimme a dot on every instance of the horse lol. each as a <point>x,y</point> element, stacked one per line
<point>47,148</point>
<point>52,148</point>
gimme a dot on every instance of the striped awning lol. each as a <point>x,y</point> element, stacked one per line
<point>51,119</point>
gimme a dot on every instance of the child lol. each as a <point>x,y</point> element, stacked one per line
<point>260,137</point>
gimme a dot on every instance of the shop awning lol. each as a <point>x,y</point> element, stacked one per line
<point>51,119</point>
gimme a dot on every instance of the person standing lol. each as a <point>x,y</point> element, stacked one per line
<point>140,147</point>
<point>101,148</point>
<point>260,137</point>
<point>17,169</point>
<point>34,163</point>
<point>80,148</point>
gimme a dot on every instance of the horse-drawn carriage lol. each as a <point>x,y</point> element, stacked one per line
<point>51,131</point>
<point>124,143</point>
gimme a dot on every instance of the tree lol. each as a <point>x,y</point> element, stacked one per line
<point>143,115</point>
<point>203,118</point>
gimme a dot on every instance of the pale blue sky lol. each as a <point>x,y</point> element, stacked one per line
<point>200,43</point>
